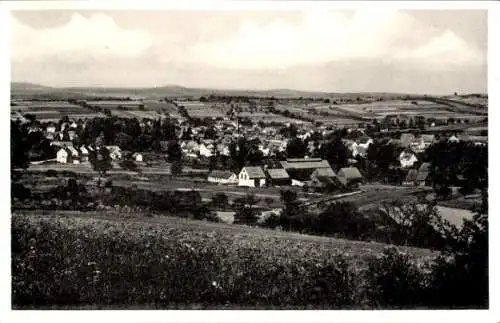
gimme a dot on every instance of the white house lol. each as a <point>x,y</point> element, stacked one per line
<point>138,157</point>
<point>252,176</point>
<point>206,150</point>
<point>365,142</point>
<point>407,159</point>
<point>51,128</point>
<point>62,156</point>
<point>223,149</point>
<point>222,177</point>
<point>453,139</point>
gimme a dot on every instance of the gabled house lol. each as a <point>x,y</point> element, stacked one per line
<point>63,156</point>
<point>349,176</point>
<point>302,168</point>
<point>222,177</point>
<point>75,155</point>
<point>252,176</point>
<point>407,158</point>
<point>277,177</point>
<point>428,140</point>
<point>453,139</point>
<point>51,128</point>
<point>84,154</point>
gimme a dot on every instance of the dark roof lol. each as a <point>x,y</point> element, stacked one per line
<point>323,172</point>
<point>220,174</point>
<point>349,173</point>
<point>255,172</point>
<point>425,167</point>
<point>311,163</point>
<point>428,138</point>
<point>277,173</point>
<point>412,175</point>
<point>422,175</point>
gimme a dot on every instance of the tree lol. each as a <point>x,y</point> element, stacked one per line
<point>129,164</point>
<point>176,168</point>
<point>245,212</point>
<point>19,145</point>
<point>335,152</point>
<point>101,161</point>
<point>296,148</point>
<point>220,200</point>
<point>174,152</point>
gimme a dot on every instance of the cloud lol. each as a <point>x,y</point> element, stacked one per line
<point>334,36</point>
<point>97,36</point>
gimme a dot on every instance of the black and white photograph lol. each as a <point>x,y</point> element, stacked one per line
<point>236,158</point>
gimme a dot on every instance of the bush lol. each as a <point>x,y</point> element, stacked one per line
<point>395,281</point>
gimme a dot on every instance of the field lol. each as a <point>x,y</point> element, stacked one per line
<point>53,110</point>
<point>198,109</point>
<point>176,263</point>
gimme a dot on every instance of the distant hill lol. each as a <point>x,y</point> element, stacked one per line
<point>27,89</point>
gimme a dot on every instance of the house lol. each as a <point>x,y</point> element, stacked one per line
<point>359,151</point>
<point>406,140</point>
<point>323,173</point>
<point>206,150</point>
<point>63,156</point>
<point>222,177</point>
<point>75,155</point>
<point>407,158</point>
<point>423,174</point>
<point>277,177</point>
<point>365,142</point>
<point>138,157</point>
<point>71,134</point>
<point>190,147</point>
<point>223,149</point>
<point>84,154</point>
<point>302,168</point>
<point>252,176</point>
<point>51,128</point>
<point>428,140</point>
<point>349,176</point>
<point>115,152</point>
<point>453,139</point>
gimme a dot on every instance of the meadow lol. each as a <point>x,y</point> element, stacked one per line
<point>71,260</point>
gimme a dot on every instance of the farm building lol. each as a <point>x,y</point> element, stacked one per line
<point>277,177</point>
<point>75,156</point>
<point>323,173</point>
<point>252,176</point>
<point>302,168</point>
<point>407,158</point>
<point>222,177</point>
<point>349,176</point>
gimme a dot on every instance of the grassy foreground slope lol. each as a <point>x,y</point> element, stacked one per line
<point>164,263</point>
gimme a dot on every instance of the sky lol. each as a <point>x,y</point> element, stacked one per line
<point>434,51</point>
